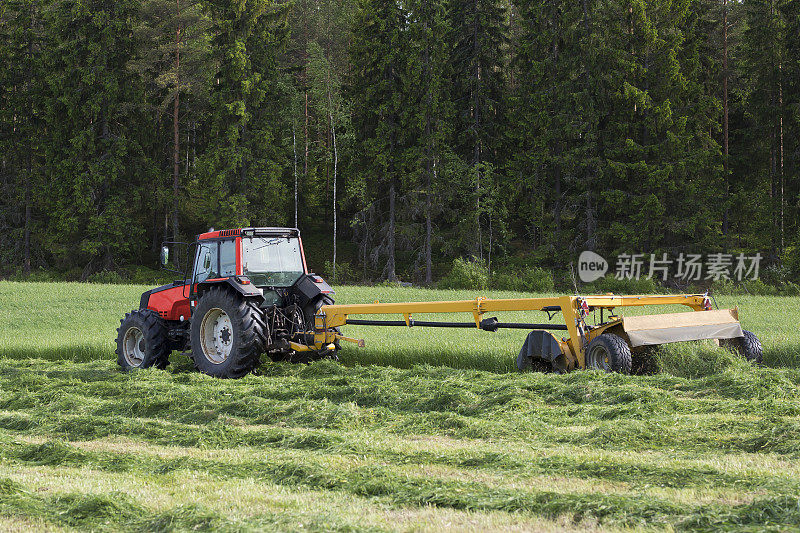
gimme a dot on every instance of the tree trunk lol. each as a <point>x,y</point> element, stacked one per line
<point>557,195</point>
<point>26,253</point>
<point>391,274</point>
<point>429,228</point>
<point>430,166</point>
<point>294,150</point>
<point>589,174</point>
<point>781,177</point>
<point>476,151</point>
<point>773,193</point>
<point>176,167</point>
<point>27,236</point>
<point>557,153</point>
<point>725,152</point>
<point>305,134</point>
<point>335,168</point>
<point>390,263</point>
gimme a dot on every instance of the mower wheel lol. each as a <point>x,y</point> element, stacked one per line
<point>748,346</point>
<point>228,334</point>
<point>142,341</point>
<point>610,353</point>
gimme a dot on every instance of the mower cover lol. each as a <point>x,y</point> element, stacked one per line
<point>678,327</point>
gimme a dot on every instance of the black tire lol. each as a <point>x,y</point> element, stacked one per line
<point>242,335</point>
<point>747,346</point>
<point>609,352</point>
<point>310,312</point>
<point>142,341</point>
<point>643,360</point>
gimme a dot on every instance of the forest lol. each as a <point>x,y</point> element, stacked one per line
<point>401,135</point>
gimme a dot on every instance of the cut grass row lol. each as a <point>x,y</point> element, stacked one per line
<point>90,400</point>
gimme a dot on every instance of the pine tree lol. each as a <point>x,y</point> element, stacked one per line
<point>173,56</point>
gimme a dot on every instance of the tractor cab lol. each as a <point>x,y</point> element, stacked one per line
<point>265,262</point>
<point>268,257</point>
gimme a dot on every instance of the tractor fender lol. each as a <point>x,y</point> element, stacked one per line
<point>248,290</point>
<point>310,286</point>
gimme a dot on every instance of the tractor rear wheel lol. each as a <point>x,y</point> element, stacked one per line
<point>228,334</point>
<point>748,346</point>
<point>142,341</point>
<point>610,353</point>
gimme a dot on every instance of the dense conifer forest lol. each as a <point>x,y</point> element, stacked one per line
<point>399,135</point>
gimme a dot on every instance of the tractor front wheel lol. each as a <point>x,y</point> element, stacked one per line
<point>228,334</point>
<point>142,341</point>
<point>610,353</point>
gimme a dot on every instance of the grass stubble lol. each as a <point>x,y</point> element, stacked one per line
<point>421,430</point>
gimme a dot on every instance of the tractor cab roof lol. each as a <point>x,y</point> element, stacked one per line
<point>249,232</point>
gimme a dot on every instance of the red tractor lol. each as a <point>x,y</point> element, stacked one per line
<point>248,292</point>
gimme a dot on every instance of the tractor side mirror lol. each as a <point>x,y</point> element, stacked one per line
<point>164,256</point>
<point>207,261</point>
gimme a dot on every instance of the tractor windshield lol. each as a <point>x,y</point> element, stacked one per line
<point>272,261</point>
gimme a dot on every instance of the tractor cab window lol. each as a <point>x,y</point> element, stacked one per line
<point>227,258</point>
<point>206,263</point>
<point>272,261</point>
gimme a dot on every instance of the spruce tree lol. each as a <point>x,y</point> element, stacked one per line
<point>377,54</point>
<point>428,120</point>
<point>762,67</point>
<point>95,166</point>
<point>239,180</point>
<point>21,92</point>
<point>479,38</point>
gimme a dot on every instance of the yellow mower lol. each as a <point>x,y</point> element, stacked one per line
<point>607,345</point>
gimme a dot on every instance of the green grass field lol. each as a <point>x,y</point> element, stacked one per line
<point>421,430</point>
